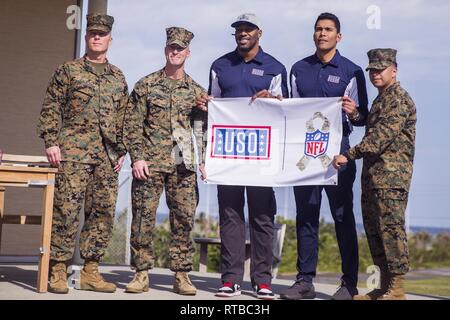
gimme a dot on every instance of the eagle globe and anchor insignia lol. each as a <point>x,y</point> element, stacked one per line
<point>316,142</point>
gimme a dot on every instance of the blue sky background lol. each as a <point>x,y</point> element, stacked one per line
<point>418,29</point>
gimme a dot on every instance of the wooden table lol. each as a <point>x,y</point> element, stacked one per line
<point>25,176</point>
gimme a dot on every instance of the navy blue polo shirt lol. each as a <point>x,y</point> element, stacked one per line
<point>232,77</point>
<point>310,78</point>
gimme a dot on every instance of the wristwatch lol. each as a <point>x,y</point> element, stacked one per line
<point>354,116</point>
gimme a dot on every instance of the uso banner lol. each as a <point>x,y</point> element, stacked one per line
<point>273,143</point>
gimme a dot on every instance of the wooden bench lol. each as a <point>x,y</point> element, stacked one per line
<point>280,231</point>
<point>30,171</point>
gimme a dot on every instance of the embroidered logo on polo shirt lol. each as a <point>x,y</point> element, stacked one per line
<point>334,79</point>
<point>258,72</point>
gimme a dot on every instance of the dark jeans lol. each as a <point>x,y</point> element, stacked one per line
<point>262,209</point>
<point>308,200</point>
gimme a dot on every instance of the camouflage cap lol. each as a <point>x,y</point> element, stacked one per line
<point>99,21</point>
<point>380,59</point>
<point>179,36</point>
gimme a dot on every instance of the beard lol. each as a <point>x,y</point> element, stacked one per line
<point>248,47</point>
<point>244,49</point>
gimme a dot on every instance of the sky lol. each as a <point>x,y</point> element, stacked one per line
<point>416,28</point>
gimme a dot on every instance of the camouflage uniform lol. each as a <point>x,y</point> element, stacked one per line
<point>158,129</point>
<point>388,152</point>
<point>83,114</point>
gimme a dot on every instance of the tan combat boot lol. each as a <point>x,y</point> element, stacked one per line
<point>92,280</point>
<point>183,284</point>
<point>395,290</point>
<point>376,293</point>
<point>58,277</point>
<point>139,283</point>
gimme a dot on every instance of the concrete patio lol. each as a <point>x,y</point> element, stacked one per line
<point>18,281</point>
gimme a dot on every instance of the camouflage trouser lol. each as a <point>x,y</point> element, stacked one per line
<point>383,212</point>
<point>97,187</point>
<point>181,196</point>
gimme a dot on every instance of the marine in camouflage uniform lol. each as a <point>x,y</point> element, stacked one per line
<point>158,130</point>
<point>82,114</point>
<point>388,151</point>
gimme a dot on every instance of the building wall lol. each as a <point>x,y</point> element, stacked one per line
<point>34,40</point>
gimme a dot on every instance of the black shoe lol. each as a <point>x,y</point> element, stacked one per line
<point>344,292</point>
<point>299,290</point>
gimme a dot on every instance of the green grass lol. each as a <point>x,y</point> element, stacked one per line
<point>438,286</point>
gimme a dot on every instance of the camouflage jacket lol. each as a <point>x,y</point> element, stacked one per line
<point>161,120</point>
<point>83,112</point>
<point>389,142</point>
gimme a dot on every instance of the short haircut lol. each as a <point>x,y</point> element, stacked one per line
<point>329,16</point>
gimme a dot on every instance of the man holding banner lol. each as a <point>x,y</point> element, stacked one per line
<point>328,74</point>
<point>246,72</point>
<point>388,152</point>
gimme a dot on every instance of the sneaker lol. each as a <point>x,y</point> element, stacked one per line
<point>263,291</point>
<point>229,290</point>
<point>345,292</point>
<point>299,290</point>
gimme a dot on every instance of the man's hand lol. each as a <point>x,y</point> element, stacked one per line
<point>202,102</point>
<point>339,161</point>
<point>202,171</point>
<point>140,170</point>
<point>53,156</point>
<point>349,107</point>
<point>266,94</point>
<point>119,164</point>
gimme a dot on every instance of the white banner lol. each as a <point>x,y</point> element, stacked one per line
<point>273,143</point>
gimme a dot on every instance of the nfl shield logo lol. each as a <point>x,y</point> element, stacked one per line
<point>316,143</point>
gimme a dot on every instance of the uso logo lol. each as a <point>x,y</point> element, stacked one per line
<point>240,142</point>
